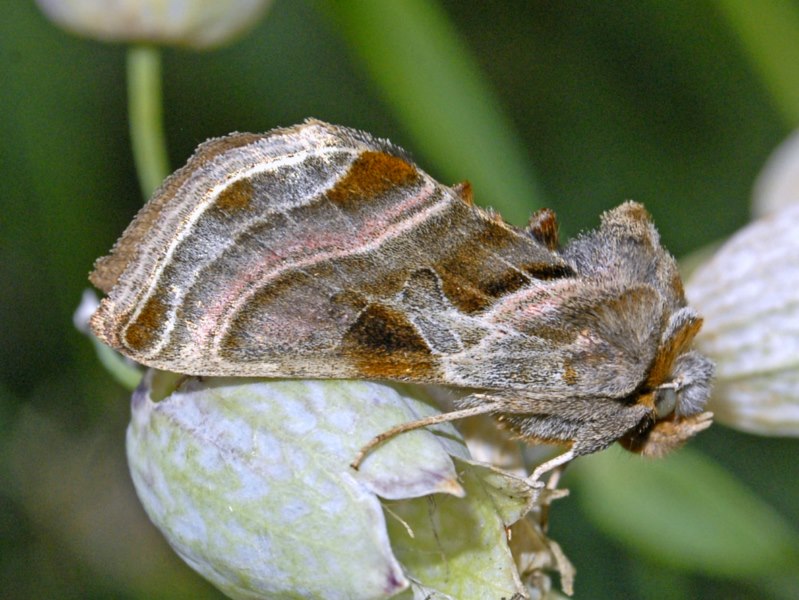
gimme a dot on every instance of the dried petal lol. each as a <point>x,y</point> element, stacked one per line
<point>194,23</point>
<point>748,294</point>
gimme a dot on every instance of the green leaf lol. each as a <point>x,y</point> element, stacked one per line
<point>686,512</point>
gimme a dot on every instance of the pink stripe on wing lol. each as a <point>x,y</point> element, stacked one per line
<point>369,235</point>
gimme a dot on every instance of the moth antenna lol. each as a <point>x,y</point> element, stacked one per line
<point>454,415</point>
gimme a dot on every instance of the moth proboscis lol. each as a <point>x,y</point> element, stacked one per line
<point>318,251</point>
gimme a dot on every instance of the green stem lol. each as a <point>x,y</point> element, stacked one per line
<point>146,117</point>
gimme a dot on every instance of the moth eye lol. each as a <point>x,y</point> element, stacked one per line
<point>665,401</point>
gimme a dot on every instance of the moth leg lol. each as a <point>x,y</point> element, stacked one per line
<point>554,479</point>
<point>554,463</point>
<point>552,484</point>
<point>454,415</point>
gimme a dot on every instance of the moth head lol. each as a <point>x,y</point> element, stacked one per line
<point>677,389</point>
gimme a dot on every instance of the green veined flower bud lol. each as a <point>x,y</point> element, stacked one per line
<point>250,482</point>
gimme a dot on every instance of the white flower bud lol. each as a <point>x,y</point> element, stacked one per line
<point>250,482</point>
<point>194,23</point>
<point>777,186</point>
<point>748,294</point>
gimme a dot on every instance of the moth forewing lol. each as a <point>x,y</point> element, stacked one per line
<point>318,251</point>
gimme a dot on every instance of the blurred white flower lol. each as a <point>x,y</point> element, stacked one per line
<point>193,23</point>
<point>250,482</point>
<point>777,186</point>
<point>748,294</point>
<point>88,304</point>
<point>124,370</point>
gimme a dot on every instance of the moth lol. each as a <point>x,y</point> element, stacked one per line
<point>318,251</point>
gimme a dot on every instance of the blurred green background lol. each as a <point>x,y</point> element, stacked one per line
<point>577,106</point>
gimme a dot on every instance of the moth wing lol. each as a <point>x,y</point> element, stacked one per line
<point>568,339</point>
<point>313,251</point>
<point>593,335</point>
<point>626,251</point>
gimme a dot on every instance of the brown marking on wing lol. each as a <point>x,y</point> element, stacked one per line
<point>383,344</point>
<point>548,271</point>
<point>387,284</point>
<point>142,333</point>
<point>677,287</point>
<point>512,279</point>
<point>344,306</point>
<point>569,373</point>
<point>557,333</point>
<point>236,197</point>
<point>108,269</point>
<point>349,298</point>
<point>464,191</point>
<point>471,286</point>
<point>637,212</point>
<point>369,176</point>
<point>495,234</point>
<point>463,295</point>
<point>503,283</point>
<point>667,353</point>
<point>466,281</point>
<point>385,330</point>
<point>543,226</point>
